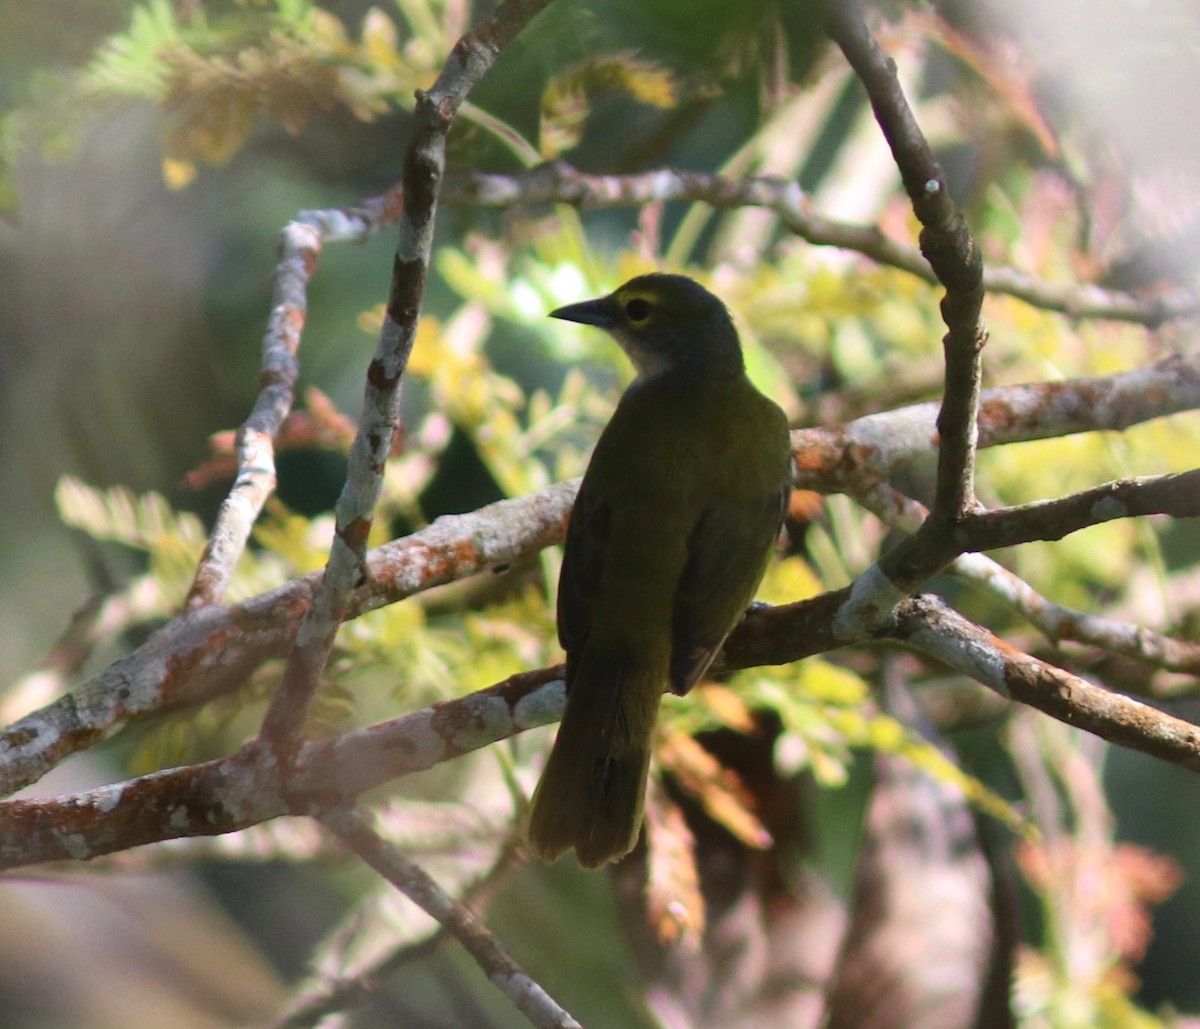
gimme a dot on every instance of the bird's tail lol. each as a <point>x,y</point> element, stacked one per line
<point>592,789</point>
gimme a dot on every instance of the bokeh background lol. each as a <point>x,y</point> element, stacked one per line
<point>130,319</point>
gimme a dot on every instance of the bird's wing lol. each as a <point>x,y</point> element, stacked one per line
<point>583,561</point>
<point>727,555</point>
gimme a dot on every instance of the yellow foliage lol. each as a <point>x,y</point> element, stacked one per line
<point>302,542</point>
<point>178,174</point>
<point>789,580</point>
<point>566,102</point>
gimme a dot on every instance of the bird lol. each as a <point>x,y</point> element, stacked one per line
<point>669,537</point>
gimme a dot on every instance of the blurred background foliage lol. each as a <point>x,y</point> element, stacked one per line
<point>149,154</point>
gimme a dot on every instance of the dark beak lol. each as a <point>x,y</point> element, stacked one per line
<point>589,312</point>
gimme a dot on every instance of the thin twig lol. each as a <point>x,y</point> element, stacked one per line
<point>1055,621</point>
<point>951,251</point>
<point>414,882</point>
<point>207,652</point>
<point>327,997</point>
<point>471,58</point>
<point>927,624</point>
<point>300,245</point>
<point>559,183</point>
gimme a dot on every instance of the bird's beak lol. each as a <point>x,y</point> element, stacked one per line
<point>588,312</point>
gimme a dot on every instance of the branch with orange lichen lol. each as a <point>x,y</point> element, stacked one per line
<point>210,649</point>
<point>214,649</point>
<point>249,787</point>
<point>424,164</point>
<point>203,653</point>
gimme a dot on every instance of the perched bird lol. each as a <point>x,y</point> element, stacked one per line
<point>668,540</point>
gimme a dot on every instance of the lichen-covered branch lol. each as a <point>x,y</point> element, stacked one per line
<point>855,456</point>
<point>250,787</point>
<point>1058,622</point>
<point>211,650</point>
<point>470,59</point>
<point>1177,495</point>
<point>300,244</point>
<point>1054,621</point>
<point>955,259</point>
<point>931,627</point>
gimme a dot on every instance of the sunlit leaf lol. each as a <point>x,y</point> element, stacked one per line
<point>566,102</point>
<point>726,706</point>
<point>172,540</point>
<point>717,788</point>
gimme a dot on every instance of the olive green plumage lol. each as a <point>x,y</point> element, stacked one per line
<point>668,540</point>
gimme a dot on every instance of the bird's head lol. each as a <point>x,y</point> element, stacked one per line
<point>664,323</point>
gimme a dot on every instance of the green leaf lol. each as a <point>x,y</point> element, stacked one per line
<point>146,523</point>
<point>172,540</point>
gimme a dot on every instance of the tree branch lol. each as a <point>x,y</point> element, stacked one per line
<point>1057,622</point>
<point>250,787</point>
<point>211,650</point>
<point>927,624</point>
<point>471,58</point>
<point>1177,495</point>
<point>950,249</point>
<point>855,456</point>
<point>323,995</point>
<point>300,244</point>
<point>559,183</point>
<point>1054,621</point>
<point>415,883</point>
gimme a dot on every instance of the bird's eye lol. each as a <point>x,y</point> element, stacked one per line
<point>637,310</point>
